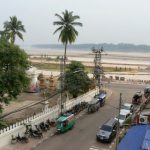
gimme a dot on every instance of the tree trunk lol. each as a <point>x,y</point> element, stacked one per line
<point>65,56</point>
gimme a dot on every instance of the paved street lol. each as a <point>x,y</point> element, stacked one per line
<point>82,137</point>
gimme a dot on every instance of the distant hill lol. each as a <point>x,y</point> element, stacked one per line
<point>108,47</point>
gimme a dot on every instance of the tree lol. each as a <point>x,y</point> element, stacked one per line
<point>13,28</point>
<point>13,65</point>
<point>66,24</point>
<point>76,82</point>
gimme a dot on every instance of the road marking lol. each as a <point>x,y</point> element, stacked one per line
<point>110,147</point>
<point>97,148</point>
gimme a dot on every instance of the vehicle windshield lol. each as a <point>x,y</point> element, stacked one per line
<point>125,107</point>
<point>106,128</point>
<point>121,117</point>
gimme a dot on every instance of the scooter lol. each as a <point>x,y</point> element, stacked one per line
<point>22,139</point>
<point>35,133</point>
<point>43,126</point>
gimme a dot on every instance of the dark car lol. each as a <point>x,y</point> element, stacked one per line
<point>93,106</point>
<point>137,98</point>
<point>107,131</point>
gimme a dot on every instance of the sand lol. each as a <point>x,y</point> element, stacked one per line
<point>134,60</point>
<point>108,58</point>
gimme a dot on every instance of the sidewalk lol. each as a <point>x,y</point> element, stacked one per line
<point>32,142</point>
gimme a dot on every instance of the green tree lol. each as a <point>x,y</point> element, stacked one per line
<point>77,82</point>
<point>13,65</point>
<point>66,27</point>
<point>13,28</point>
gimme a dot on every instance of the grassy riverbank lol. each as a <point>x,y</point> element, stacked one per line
<point>89,69</point>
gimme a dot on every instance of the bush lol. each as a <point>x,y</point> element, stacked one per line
<point>121,136</point>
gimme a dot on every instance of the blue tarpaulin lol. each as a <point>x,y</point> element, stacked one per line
<point>134,138</point>
<point>146,142</point>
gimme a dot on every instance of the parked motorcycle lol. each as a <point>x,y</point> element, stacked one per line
<point>43,126</point>
<point>13,140</point>
<point>22,139</point>
<point>35,133</point>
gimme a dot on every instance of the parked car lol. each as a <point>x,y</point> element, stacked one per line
<point>97,101</point>
<point>107,131</point>
<point>101,98</point>
<point>137,98</point>
<point>128,107</point>
<point>93,106</point>
<point>123,117</point>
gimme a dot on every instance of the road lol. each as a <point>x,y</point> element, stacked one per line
<point>82,137</point>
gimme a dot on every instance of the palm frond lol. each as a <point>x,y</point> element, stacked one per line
<point>60,17</point>
<point>14,27</point>
<point>58,29</point>
<point>58,23</point>
<point>66,24</point>
<point>20,35</point>
<point>77,24</point>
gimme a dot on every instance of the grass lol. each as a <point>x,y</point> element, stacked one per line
<point>46,66</point>
<point>89,69</point>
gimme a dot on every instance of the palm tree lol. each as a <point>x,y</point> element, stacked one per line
<point>66,24</point>
<point>14,28</point>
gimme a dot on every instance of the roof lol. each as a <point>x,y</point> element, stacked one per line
<point>100,96</point>
<point>146,142</point>
<point>127,104</point>
<point>124,112</point>
<point>110,122</point>
<point>132,142</point>
<point>64,117</point>
<point>94,101</point>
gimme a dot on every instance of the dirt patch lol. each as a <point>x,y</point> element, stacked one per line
<point>25,100</point>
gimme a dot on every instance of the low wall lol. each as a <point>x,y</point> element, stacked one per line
<point>49,113</point>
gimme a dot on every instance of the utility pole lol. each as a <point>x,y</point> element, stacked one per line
<point>117,135</point>
<point>98,70</point>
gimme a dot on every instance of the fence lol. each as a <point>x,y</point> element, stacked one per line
<point>49,113</point>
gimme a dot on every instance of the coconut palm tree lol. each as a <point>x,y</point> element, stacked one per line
<point>13,28</point>
<point>66,26</point>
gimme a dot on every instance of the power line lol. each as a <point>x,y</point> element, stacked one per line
<point>28,106</point>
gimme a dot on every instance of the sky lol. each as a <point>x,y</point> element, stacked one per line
<point>104,21</point>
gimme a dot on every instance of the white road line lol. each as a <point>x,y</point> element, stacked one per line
<point>96,148</point>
